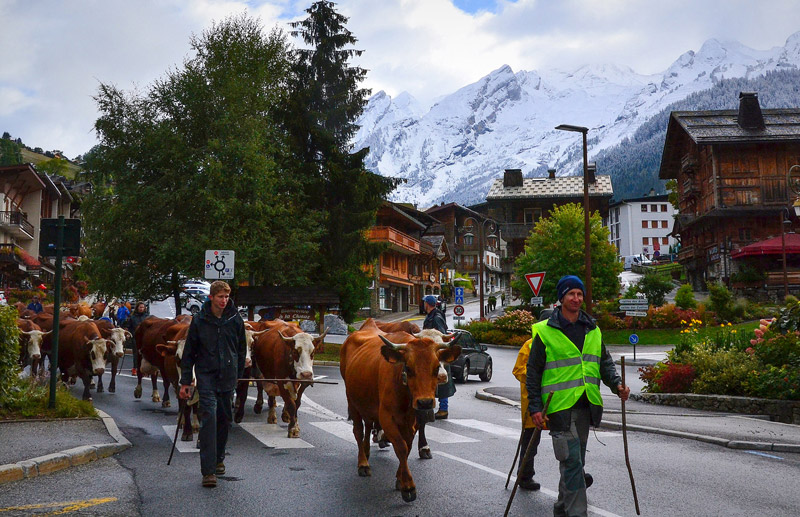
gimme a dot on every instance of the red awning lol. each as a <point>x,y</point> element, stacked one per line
<point>771,246</point>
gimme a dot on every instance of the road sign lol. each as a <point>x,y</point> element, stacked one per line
<point>633,339</point>
<point>459,300</point>
<point>219,264</point>
<point>536,300</point>
<point>634,307</point>
<point>458,310</point>
<point>459,291</point>
<point>633,301</point>
<point>535,280</point>
<point>638,314</point>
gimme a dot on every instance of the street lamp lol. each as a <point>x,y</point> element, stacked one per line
<point>587,228</point>
<point>481,271</point>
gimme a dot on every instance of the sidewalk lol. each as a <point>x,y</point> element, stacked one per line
<point>77,441</point>
<point>734,431</point>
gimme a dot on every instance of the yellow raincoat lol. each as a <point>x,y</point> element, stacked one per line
<point>520,371</point>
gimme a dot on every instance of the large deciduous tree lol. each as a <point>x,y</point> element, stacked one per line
<point>556,246</point>
<point>326,100</point>
<point>198,162</point>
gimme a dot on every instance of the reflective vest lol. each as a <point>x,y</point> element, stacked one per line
<point>568,373</point>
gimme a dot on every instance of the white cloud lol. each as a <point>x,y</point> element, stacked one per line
<point>54,54</point>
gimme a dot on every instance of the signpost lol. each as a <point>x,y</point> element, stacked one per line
<point>219,264</point>
<point>536,301</point>
<point>459,295</point>
<point>458,310</point>
<point>535,280</point>
<point>636,308</point>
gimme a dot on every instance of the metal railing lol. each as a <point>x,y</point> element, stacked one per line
<point>15,220</point>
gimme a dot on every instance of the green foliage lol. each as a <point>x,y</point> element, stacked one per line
<point>54,166</point>
<point>9,349</point>
<point>749,273</point>
<point>788,318</point>
<point>667,377</point>
<point>720,300</point>
<point>488,332</point>
<point>197,162</point>
<point>779,349</point>
<point>775,382</point>
<point>516,321</point>
<point>720,371</point>
<point>463,280</point>
<point>684,298</point>
<point>655,287</point>
<point>28,399</point>
<point>556,245</point>
<point>10,152</point>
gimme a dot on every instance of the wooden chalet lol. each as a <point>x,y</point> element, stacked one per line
<point>731,170</point>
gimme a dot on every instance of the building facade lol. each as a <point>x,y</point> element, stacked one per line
<point>642,226</point>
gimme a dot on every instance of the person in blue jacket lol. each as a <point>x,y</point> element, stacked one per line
<point>35,305</point>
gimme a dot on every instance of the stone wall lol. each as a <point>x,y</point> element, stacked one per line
<point>786,411</point>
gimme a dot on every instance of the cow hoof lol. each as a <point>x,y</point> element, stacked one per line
<point>197,445</point>
<point>137,392</point>
<point>364,471</point>
<point>409,495</point>
<point>272,419</point>
<point>165,403</point>
<point>258,408</point>
<point>92,385</point>
<point>238,418</point>
<point>294,432</point>
<point>285,416</point>
<point>112,389</point>
<point>187,437</point>
<point>425,453</point>
<point>156,397</point>
<point>100,389</point>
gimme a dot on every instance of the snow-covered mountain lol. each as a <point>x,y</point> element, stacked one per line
<point>453,151</point>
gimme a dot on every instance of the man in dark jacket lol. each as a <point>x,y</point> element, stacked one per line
<point>436,320</point>
<point>569,359</point>
<point>139,315</point>
<point>215,347</point>
<point>35,305</point>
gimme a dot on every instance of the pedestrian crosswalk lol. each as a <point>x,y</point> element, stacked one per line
<point>475,431</point>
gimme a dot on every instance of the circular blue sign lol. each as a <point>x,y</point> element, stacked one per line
<point>633,339</point>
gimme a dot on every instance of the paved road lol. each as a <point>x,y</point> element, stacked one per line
<point>316,474</point>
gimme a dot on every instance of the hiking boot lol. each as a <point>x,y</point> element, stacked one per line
<point>589,479</point>
<point>440,415</point>
<point>210,481</point>
<point>220,470</point>
<point>529,484</point>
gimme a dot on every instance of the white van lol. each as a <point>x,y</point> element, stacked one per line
<point>629,260</point>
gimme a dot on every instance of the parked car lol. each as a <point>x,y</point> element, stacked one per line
<point>194,295</point>
<point>3,300</point>
<point>473,359</point>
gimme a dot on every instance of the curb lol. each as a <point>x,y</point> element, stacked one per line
<point>617,426</point>
<point>73,457</point>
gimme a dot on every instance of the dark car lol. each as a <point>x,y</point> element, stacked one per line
<point>473,359</point>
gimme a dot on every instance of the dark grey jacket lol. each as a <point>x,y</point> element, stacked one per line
<point>436,320</point>
<point>215,347</point>
<point>560,420</point>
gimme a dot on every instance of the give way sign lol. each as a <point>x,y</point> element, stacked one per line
<point>535,280</point>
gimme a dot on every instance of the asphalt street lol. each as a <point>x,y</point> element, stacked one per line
<point>316,474</point>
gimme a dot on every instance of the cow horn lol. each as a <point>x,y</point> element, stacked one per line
<point>393,345</point>
<point>285,338</point>
<point>248,326</point>
<point>172,342</point>
<point>259,332</point>
<point>324,333</point>
<point>27,332</point>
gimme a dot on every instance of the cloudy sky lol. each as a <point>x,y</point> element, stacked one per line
<point>54,54</point>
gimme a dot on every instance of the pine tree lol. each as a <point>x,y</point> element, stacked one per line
<point>326,101</point>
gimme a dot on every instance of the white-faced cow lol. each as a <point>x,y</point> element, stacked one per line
<point>116,350</point>
<point>81,352</point>
<point>30,341</point>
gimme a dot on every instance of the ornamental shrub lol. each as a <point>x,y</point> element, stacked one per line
<point>9,350</point>
<point>720,299</point>
<point>720,372</point>
<point>677,378</point>
<point>684,298</point>
<point>779,350</point>
<point>775,383</point>
<point>516,321</point>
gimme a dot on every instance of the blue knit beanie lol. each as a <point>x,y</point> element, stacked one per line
<point>567,283</point>
<point>430,300</point>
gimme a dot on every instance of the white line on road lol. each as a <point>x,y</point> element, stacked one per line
<point>442,436</point>
<point>504,475</point>
<point>274,436</point>
<point>757,453</point>
<point>487,427</point>
<point>308,407</point>
<point>179,445</point>
<point>340,429</point>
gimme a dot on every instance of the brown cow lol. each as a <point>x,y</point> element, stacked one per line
<point>172,352</point>
<point>30,343</point>
<point>116,349</point>
<point>151,332</point>
<point>286,352</point>
<point>397,326</point>
<point>81,352</point>
<point>387,385</point>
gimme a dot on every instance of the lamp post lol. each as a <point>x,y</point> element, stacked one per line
<point>481,270</point>
<point>587,227</point>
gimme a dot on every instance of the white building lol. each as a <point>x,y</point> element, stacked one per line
<point>641,225</point>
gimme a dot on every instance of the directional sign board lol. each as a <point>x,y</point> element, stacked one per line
<point>633,339</point>
<point>458,310</point>
<point>638,314</point>
<point>535,280</point>
<point>633,301</point>
<point>634,307</point>
<point>536,301</point>
<point>219,264</point>
<point>459,300</point>
<point>459,291</point>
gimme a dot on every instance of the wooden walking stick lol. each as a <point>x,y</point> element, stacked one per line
<point>519,446</point>
<point>625,441</point>
<point>527,454</point>
<point>191,401</point>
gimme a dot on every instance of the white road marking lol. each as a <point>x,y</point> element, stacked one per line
<point>757,453</point>
<point>179,445</point>
<point>504,475</point>
<point>307,406</point>
<point>340,429</point>
<point>441,436</point>
<point>274,436</point>
<point>487,427</point>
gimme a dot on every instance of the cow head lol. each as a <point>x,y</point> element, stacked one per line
<point>421,359</point>
<point>116,344</point>
<point>83,317</point>
<point>96,350</point>
<point>35,343</point>
<point>250,337</point>
<point>440,339</point>
<point>172,348</point>
<point>302,347</point>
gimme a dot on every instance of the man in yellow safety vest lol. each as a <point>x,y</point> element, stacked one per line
<point>568,358</point>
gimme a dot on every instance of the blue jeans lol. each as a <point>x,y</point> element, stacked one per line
<point>443,404</point>
<point>215,419</point>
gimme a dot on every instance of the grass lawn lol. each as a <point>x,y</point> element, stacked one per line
<point>661,336</point>
<point>331,353</point>
<point>26,399</point>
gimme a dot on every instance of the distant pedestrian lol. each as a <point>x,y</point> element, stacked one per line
<point>214,354</point>
<point>122,314</point>
<point>35,305</point>
<point>436,320</point>
<point>139,315</point>
<point>568,358</point>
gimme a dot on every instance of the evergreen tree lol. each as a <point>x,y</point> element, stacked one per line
<point>10,151</point>
<point>326,101</point>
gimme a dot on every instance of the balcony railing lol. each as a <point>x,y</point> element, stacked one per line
<point>686,253</point>
<point>397,240</point>
<point>515,230</point>
<point>16,224</point>
<point>11,253</point>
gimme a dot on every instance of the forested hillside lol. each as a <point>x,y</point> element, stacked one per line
<point>634,163</point>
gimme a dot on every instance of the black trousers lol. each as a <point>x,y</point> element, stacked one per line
<point>525,472</point>
<point>216,416</point>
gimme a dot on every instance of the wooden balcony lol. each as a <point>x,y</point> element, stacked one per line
<point>686,253</point>
<point>510,231</point>
<point>396,239</point>
<point>11,253</point>
<point>16,224</point>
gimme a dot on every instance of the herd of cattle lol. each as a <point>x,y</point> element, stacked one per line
<point>390,371</point>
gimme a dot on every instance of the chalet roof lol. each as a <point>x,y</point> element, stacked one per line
<point>656,198</point>
<point>563,186</point>
<point>455,206</point>
<point>721,127</point>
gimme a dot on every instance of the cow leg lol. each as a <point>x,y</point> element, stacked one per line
<point>186,436</point>
<point>290,409</point>
<point>165,402</point>
<point>241,396</point>
<point>422,445</point>
<point>259,405</point>
<point>272,418</point>
<point>362,439</point>
<point>137,392</point>
<point>100,388</point>
<point>87,381</point>
<point>404,483</point>
<point>154,380</point>
<point>112,386</point>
